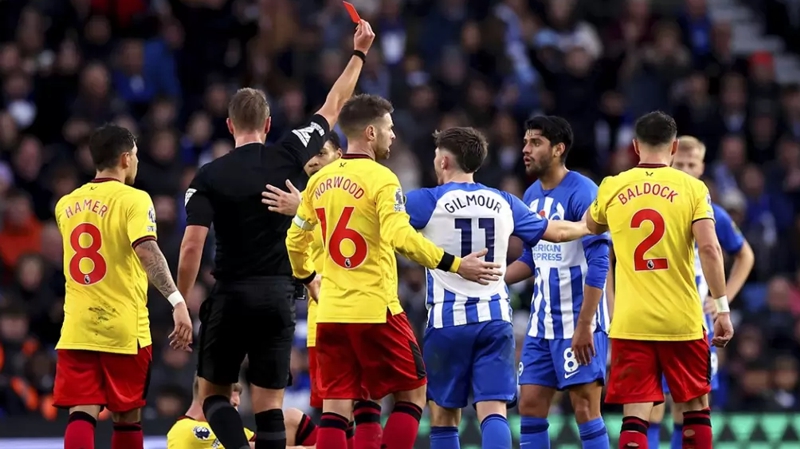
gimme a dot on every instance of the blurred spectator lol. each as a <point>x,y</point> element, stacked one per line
<point>166,69</point>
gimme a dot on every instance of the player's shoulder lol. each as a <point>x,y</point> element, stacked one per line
<point>580,181</point>
<point>469,187</point>
<point>188,433</point>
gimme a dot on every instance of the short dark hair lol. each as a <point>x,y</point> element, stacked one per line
<point>656,128</point>
<point>361,110</point>
<point>468,145</point>
<point>107,143</point>
<point>334,139</point>
<point>553,128</point>
<point>248,109</point>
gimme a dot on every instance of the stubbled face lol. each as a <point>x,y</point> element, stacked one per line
<point>689,162</point>
<point>326,155</point>
<point>537,154</point>
<point>384,136</point>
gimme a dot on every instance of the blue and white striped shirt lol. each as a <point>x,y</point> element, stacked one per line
<point>562,269</point>
<point>463,218</point>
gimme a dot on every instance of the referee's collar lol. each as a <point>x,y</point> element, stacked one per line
<point>355,156</point>
<point>651,165</point>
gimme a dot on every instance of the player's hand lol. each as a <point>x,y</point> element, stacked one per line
<point>364,36</point>
<point>723,330</point>
<point>709,308</point>
<point>313,288</point>
<point>181,337</point>
<point>474,269</point>
<point>583,344</point>
<point>281,201</point>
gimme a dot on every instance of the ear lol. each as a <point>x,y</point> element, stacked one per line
<point>229,123</point>
<point>267,125</point>
<point>339,153</point>
<point>125,160</point>
<point>370,132</point>
<point>560,148</point>
<point>636,147</point>
<point>674,148</point>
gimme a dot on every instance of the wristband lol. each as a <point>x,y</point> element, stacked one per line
<point>722,304</point>
<point>175,298</point>
<point>309,279</point>
<point>360,54</point>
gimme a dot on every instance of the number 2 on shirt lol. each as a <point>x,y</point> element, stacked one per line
<point>465,226</point>
<point>341,233</point>
<point>91,252</point>
<point>639,261</point>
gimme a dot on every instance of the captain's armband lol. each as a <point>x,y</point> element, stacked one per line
<point>302,223</point>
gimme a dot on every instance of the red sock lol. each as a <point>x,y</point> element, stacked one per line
<point>127,436</point>
<point>331,433</point>
<point>402,426</point>
<point>80,431</point>
<point>306,432</point>
<point>697,430</point>
<point>349,434</point>
<point>633,433</point>
<point>368,425</point>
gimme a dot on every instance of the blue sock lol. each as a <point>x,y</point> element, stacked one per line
<point>444,438</point>
<point>533,433</point>
<point>495,432</point>
<point>653,435</point>
<point>594,434</point>
<point>677,437</point>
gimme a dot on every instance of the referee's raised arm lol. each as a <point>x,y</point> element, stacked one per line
<point>250,310</point>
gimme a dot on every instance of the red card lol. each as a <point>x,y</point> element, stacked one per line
<point>352,11</point>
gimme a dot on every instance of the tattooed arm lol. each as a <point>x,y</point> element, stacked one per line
<point>156,267</point>
<point>158,272</point>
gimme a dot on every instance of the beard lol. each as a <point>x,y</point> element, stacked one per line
<point>539,168</point>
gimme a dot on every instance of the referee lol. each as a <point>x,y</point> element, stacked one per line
<point>250,311</point>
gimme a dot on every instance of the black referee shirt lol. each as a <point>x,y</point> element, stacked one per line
<point>227,193</point>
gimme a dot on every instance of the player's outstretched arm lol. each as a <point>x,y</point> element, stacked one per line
<point>155,265</point>
<point>394,222</point>
<point>559,231</point>
<point>344,86</point>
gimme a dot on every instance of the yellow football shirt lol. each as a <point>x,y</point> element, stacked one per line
<point>105,308</point>
<point>649,211</point>
<point>188,433</point>
<point>359,207</point>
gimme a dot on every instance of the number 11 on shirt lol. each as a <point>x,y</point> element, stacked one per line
<point>465,226</point>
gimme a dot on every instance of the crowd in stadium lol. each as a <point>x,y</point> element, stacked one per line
<point>165,69</point>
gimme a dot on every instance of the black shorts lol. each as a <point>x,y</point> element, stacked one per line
<point>254,317</point>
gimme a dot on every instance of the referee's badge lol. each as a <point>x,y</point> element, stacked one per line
<point>188,196</point>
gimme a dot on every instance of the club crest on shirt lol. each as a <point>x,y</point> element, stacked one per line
<point>399,200</point>
<point>201,433</point>
<point>188,196</point>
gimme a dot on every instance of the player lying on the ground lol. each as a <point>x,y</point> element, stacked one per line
<point>689,159</point>
<point>655,215</point>
<point>192,431</point>
<point>566,343</point>
<point>286,203</point>
<point>105,349</point>
<point>364,338</point>
<point>469,340</point>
